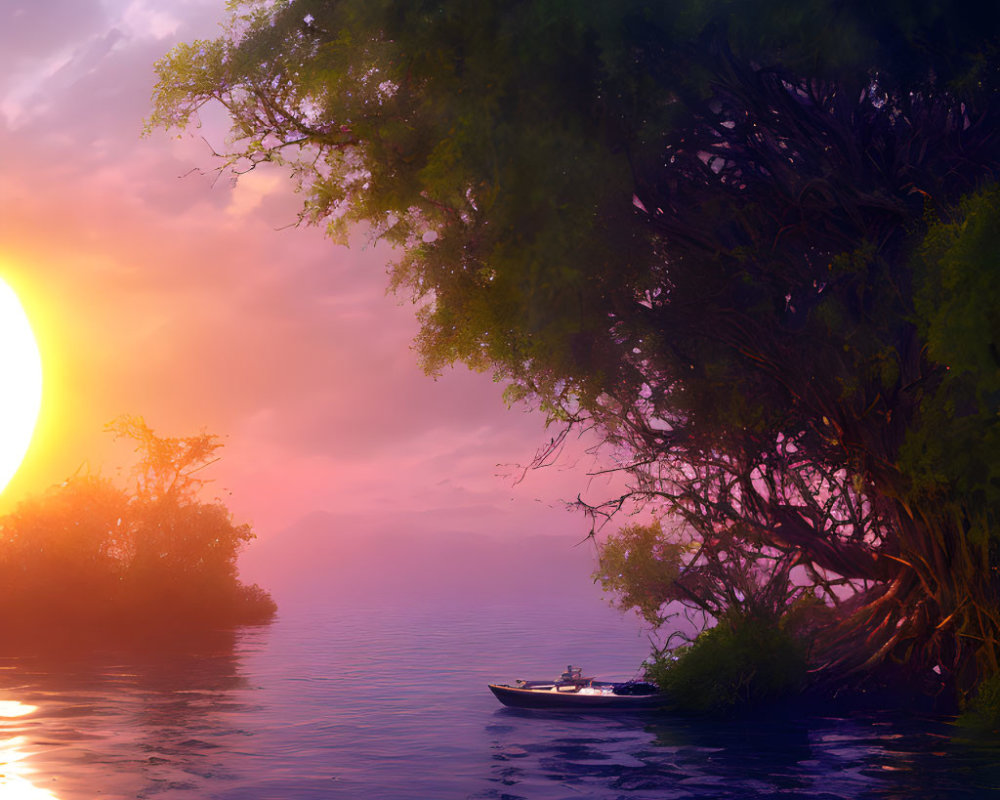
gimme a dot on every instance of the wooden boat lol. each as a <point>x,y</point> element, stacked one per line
<point>573,692</point>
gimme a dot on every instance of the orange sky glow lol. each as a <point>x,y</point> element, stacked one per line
<point>159,290</point>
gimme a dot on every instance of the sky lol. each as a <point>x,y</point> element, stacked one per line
<point>157,287</point>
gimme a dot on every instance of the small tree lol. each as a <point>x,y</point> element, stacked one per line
<point>757,647</point>
<point>168,467</point>
<point>88,552</point>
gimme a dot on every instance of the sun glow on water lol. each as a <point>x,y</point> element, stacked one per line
<point>20,383</point>
<point>14,781</point>
<point>9,709</point>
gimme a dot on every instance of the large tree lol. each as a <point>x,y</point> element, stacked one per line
<point>751,242</point>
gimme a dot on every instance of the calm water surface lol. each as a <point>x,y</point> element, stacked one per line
<point>340,701</point>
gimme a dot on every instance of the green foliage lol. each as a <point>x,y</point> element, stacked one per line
<point>722,573</point>
<point>958,311</point>
<point>501,146</point>
<point>740,663</point>
<point>639,566</point>
<point>756,652</point>
<point>981,717</point>
<point>87,553</point>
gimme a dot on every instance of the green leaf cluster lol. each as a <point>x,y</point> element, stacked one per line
<point>955,446</point>
<point>981,716</point>
<point>739,664</point>
<point>639,567</point>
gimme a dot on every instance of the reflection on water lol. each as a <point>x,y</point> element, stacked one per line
<point>15,783</point>
<point>339,702</point>
<point>14,708</point>
<point>876,755</point>
<point>135,719</point>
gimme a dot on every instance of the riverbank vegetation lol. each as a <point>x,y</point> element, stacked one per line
<point>88,554</point>
<point>738,664</point>
<point>753,246</point>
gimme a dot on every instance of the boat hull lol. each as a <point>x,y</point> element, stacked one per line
<point>579,700</point>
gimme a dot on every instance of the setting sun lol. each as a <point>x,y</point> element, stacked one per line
<point>21,373</point>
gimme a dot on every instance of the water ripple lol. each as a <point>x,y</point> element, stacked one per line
<point>390,703</point>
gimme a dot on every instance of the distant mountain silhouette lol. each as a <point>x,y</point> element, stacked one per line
<point>337,555</point>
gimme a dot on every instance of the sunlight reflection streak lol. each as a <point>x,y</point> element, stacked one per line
<point>13,783</point>
<point>12,708</point>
